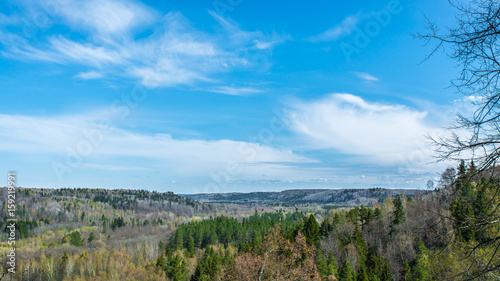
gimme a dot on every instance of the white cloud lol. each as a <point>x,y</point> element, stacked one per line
<point>382,134</point>
<point>57,136</point>
<point>346,27</point>
<point>106,17</point>
<point>89,75</point>
<point>365,76</point>
<point>238,36</point>
<point>234,91</point>
<point>111,40</point>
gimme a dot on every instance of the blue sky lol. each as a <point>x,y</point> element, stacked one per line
<point>220,96</point>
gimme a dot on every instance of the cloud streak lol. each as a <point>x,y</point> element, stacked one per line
<point>60,136</point>
<point>107,36</point>
<point>235,91</point>
<point>365,76</point>
<point>346,27</point>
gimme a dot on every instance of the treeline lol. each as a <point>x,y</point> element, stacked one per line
<point>265,246</point>
<point>448,234</point>
<point>451,233</point>
<point>224,230</point>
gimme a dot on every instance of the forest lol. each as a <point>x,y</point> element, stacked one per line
<point>450,233</point>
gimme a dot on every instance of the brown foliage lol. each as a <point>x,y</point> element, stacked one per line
<point>277,259</point>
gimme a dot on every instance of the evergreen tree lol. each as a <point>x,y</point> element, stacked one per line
<point>63,265</point>
<point>332,264</point>
<point>161,246</point>
<point>75,238</point>
<point>407,272</point>
<point>176,268</point>
<point>360,245</point>
<point>336,219</point>
<point>190,246</point>
<point>361,274</point>
<point>322,264</point>
<point>420,269</point>
<point>346,272</point>
<point>161,262</point>
<point>398,213</point>
<point>91,237</point>
<point>311,230</point>
<point>256,240</point>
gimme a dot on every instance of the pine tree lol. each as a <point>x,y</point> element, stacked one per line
<point>75,238</point>
<point>420,269</point>
<point>398,213</point>
<point>190,246</point>
<point>161,262</point>
<point>407,272</point>
<point>311,230</point>
<point>361,275</point>
<point>176,268</point>
<point>322,264</point>
<point>346,272</point>
<point>91,237</point>
<point>332,264</point>
<point>256,240</point>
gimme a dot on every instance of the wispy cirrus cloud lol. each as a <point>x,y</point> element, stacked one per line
<point>62,134</point>
<point>257,39</point>
<point>108,36</point>
<point>365,76</point>
<point>235,91</point>
<point>106,18</point>
<point>346,27</point>
<point>89,75</point>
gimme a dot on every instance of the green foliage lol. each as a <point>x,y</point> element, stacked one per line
<point>361,274</point>
<point>210,265</point>
<point>91,237</point>
<point>24,227</point>
<point>117,222</point>
<point>398,214</point>
<point>175,268</point>
<point>256,240</point>
<point>332,264</point>
<point>190,246</point>
<point>322,265</point>
<point>74,238</point>
<point>311,230</point>
<point>249,233</point>
<point>360,245</point>
<point>346,272</point>
<point>420,270</point>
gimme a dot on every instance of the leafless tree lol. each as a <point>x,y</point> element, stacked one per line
<point>475,44</point>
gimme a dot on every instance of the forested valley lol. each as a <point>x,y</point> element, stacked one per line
<point>450,233</point>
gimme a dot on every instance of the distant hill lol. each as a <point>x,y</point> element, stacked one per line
<point>321,196</point>
<point>124,199</point>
